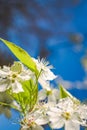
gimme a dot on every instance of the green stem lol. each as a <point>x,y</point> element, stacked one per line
<point>37,77</point>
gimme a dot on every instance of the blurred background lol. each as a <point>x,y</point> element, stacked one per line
<point>52,29</point>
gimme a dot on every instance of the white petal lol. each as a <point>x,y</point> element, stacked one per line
<point>52,98</point>
<point>42,94</point>
<point>55,109</point>
<point>4,85</point>
<point>58,124</point>
<point>50,113</point>
<point>42,120</point>
<point>55,119</point>
<point>3,74</point>
<point>44,83</point>
<point>6,68</point>
<point>17,87</point>
<point>25,75</point>
<point>37,127</point>
<point>56,93</point>
<point>48,75</point>
<point>82,114</point>
<point>69,125</point>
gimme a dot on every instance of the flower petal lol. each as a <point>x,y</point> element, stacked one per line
<point>42,94</point>
<point>4,85</point>
<point>57,124</point>
<point>42,120</point>
<point>44,83</point>
<point>48,75</point>
<point>69,125</point>
<point>17,87</point>
<point>37,127</point>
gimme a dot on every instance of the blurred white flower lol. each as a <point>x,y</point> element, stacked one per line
<point>81,112</point>
<point>52,94</point>
<point>11,77</point>
<point>36,127</point>
<point>34,119</point>
<point>45,73</point>
<point>63,114</point>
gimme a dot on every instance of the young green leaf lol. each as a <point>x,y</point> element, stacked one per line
<point>21,54</point>
<point>28,98</point>
<point>64,93</point>
<point>32,88</point>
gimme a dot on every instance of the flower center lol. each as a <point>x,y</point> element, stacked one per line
<point>30,122</point>
<point>14,76</point>
<point>48,93</point>
<point>66,115</point>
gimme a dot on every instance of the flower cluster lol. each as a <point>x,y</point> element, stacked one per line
<point>11,77</point>
<point>65,113</point>
<point>50,108</point>
<point>50,105</point>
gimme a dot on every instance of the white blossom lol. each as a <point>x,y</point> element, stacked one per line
<point>63,114</point>
<point>81,112</point>
<point>34,119</point>
<point>45,73</point>
<point>52,94</point>
<point>36,127</point>
<point>11,77</point>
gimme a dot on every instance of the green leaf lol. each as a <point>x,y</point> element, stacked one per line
<point>64,93</point>
<point>28,98</point>
<point>32,89</point>
<point>21,54</point>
